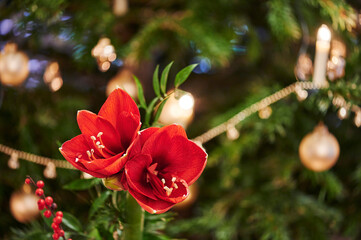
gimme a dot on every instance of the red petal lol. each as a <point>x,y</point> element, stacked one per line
<point>136,172</point>
<point>130,126</point>
<point>118,101</point>
<point>107,166</point>
<point>90,125</point>
<point>179,188</point>
<point>72,149</point>
<point>175,154</point>
<point>138,143</point>
<point>150,205</point>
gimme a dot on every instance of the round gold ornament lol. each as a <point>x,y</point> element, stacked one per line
<point>14,67</point>
<point>23,205</point>
<point>319,150</point>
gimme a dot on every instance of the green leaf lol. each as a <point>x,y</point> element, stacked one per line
<point>82,184</point>
<point>99,202</point>
<point>164,78</point>
<point>71,222</point>
<point>140,93</point>
<point>159,110</point>
<point>183,74</point>
<point>150,110</point>
<point>156,81</point>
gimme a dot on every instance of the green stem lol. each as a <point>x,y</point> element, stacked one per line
<point>134,216</point>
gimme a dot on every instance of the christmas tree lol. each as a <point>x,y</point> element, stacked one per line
<point>273,96</point>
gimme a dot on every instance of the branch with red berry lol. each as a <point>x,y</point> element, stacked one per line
<point>47,203</point>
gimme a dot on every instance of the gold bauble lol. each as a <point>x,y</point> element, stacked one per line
<point>319,150</point>
<point>178,109</point>
<point>123,80</point>
<point>14,67</point>
<point>23,205</point>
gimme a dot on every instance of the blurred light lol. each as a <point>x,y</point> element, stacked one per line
<point>232,133</point>
<point>5,26</point>
<point>123,80</point>
<point>186,101</point>
<point>357,119</point>
<point>105,66</point>
<point>265,112</point>
<point>56,84</point>
<point>342,113</point>
<point>204,65</point>
<point>324,33</point>
<point>178,109</point>
<point>65,18</point>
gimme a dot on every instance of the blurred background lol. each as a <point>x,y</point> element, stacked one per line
<point>59,56</point>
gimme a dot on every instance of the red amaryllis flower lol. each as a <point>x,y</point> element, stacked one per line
<point>162,164</point>
<point>100,148</point>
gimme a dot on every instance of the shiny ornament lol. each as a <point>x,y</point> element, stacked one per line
<point>303,68</point>
<point>123,80</point>
<point>14,67</point>
<point>179,109</point>
<point>319,150</point>
<point>23,205</point>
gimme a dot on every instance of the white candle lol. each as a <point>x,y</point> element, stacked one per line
<point>321,58</point>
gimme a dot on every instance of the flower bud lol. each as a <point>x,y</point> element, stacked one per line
<point>114,182</point>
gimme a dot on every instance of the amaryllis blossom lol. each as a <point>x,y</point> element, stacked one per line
<point>162,164</point>
<point>100,148</point>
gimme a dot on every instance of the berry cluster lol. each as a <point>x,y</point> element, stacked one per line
<point>50,206</point>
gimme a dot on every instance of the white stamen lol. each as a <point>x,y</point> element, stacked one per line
<point>175,185</point>
<point>93,138</point>
<point>154,211</point>
<point>92,150</point>
<point>101,146</point>
<point>89,154</point>
<point>173,179</point>
<point>97,143</point>
<point>124,155</point>
<point>80,156</point>
<point>99,134</point>
<point>163,180</point>
<point>168,190</point>
<point>76,159</point>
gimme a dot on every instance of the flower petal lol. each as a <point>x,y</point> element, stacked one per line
<point>91,124</point>
<point>118,101</point>
<point>128,131</point>
<point>107,166</point>
<point>71,150</point>
<point>150,205</point>
<point>137,173</point>
<point>175,154</point>
<point>138,143</point>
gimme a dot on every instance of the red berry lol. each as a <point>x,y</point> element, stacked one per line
<point>59,214</point>
<point>27,181</point>
<point>40,184</point>
<point>55,236</point>
<point>54,206</point>
<point>70,239</point>
<point>48,201</point>
<point>54,226</point>
<point>58,220</point>
<point>41,204</point>
<point>39,192</point>
<point>47,214</point>
<point>61,232</point>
